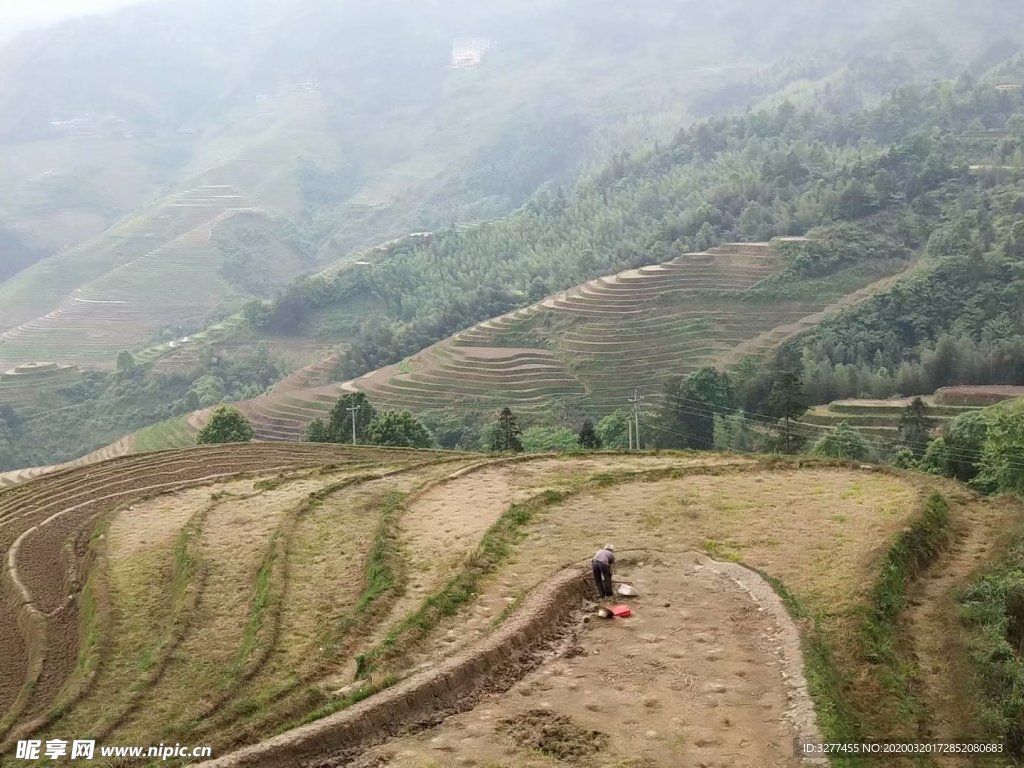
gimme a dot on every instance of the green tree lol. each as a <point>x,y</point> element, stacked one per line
<point>1002,456</point>
<point>226,425</point>
<point>733,433</point>
<point>398,429</point>
<point>587,438</point>
<point>453,430</point>
<point>209,389</point>
<point>505,434</point>
<point>316,432</point>
<point>904,459</point>
<point>843,442</point>
<point>965,436</point>
<point>352,406</point>
<point>915,427</point>
<point>787,402</point>
<point>191,401</point>
<point>257,314</point>
<point>544,439</point>
<point>936,458</point>
<point>125,361</point>
<point>688,409</point>
<point>614,429</point>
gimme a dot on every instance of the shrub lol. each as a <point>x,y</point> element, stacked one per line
<point>844,442</point>
<point>227,425</point>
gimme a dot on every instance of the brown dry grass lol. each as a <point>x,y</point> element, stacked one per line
<point>233,543</point>
<point>818,530</point>
<point>140,546</point>
<point>688,680</point>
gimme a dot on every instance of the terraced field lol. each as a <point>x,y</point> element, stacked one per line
<point>129,290</point>
<point>586,348</point>
<point>880,419</point>
<point>23,386</point>
<point>226,594</point>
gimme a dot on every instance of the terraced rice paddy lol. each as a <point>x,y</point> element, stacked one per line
<point>131,293</point>
<point>880,419</point>
<point>223,595</point>
<point>586,348</point>
<point>23,386</point>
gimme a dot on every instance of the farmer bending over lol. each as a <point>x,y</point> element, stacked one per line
<point>602,564</point>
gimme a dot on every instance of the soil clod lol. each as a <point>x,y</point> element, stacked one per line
<point>553,734</point>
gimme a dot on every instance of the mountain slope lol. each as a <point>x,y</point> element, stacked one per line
<point>346,122</point>
<point>582,351</point>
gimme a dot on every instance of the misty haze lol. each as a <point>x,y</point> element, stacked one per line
<point>579,383</point>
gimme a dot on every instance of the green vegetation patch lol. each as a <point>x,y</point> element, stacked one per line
<point>837,717</point>
<point>992,610</point>
<point>916,548</point>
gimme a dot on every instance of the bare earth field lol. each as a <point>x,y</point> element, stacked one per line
<point>320,605</point>
<point>694,678</point>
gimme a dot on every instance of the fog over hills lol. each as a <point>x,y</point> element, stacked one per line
<point>334,333</point>
<point>165,164</point>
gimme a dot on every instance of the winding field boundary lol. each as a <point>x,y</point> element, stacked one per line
<point>455,684</point>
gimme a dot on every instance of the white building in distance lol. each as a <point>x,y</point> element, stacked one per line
<point>470,52</point>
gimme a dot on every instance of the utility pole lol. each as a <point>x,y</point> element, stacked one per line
<point>629,430</point>
<point>353,409</point>
<point>636,400</point>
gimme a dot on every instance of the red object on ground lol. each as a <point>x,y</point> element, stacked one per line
<point>621,611</point>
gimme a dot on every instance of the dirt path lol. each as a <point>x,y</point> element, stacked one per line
<point>706,673</point>
<point>932,624</point>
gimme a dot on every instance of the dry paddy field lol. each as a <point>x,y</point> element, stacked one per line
<point>315,605</point>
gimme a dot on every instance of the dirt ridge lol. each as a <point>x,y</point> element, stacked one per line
<point>427,697</point>
<point>424,696</point>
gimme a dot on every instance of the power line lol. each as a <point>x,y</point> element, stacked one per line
<point>702,409</point>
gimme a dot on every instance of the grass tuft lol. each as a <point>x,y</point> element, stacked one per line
<point>912,551</point>
<point>495,545</point>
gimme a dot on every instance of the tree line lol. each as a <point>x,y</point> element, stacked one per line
<point>749,177</point>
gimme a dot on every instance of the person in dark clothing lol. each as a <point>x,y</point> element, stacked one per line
<point>602,564</point>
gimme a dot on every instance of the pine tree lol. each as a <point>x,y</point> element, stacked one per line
<point>588,437</point>
<point>787,403</point>
<point>505,434</point>
<point>915,426</point>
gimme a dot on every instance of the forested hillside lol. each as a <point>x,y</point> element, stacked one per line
<point>960,321</point>
<point>901,170</point>
<point>886,183</point>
